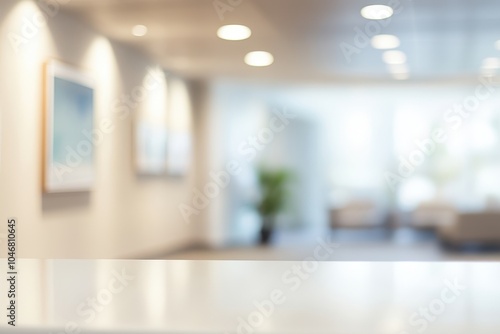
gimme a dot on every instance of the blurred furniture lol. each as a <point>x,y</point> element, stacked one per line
<point>477,228</point>
<point>357,214</point>
<point>433,214</point>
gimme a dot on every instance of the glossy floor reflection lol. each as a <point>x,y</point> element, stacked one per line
<point>258,297</point>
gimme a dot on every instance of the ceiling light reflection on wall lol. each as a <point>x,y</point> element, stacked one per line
<point>488,72</point>
<point>394,57</point>
<point>384,42</point>
<point>377,12</point>
<point>234,32</point>
<point>491,63</point>
<point>139,30</point>
<point>398,69</point>
<point>401,76</point>
<point>259,58</point>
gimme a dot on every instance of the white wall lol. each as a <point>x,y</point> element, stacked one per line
<point>124,215</point>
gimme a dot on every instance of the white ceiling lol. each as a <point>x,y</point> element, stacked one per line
<point>443,39</point>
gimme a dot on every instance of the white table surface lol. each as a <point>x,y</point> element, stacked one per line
<point>210,296</point>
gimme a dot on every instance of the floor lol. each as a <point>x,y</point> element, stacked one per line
<point>153,297</point>
<point>348,245</point>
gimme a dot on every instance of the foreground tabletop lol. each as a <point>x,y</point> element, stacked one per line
<point>94,296</point>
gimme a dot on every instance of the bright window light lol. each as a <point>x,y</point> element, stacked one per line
<point>384,42</point>
<point>259,58</point>
<point>484,136</point>
<point>394,57</point>
<point>414,191</point>
<point>234,32</point>
<point>376,12</point>
<point>139,30</point>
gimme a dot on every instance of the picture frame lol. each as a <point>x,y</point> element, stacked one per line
<point>180,129</point>
<point>68,127</point>
<point>151,140</point>
<point>151,132</point>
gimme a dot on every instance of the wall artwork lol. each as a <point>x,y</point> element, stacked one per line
<point>179,153</point>
<point>151,132</point>
<point>69,117</point>
<point>151,141</point>
<point>180,133</point>
<point>163,128</point>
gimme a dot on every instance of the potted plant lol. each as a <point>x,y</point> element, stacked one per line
<point>272,200</point>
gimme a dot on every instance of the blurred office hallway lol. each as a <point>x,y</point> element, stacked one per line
<point>201,130</point>
<point>185,166</point>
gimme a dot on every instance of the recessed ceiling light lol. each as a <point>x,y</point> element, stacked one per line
<point>491,63</point>
<point>234,32</point>
<point>377,12</point>
<point>394,57</point>
<point>139,30</point>
<point>259,58</point>
<point>385,42</point>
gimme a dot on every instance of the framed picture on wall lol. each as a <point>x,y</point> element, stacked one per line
<point>179,153</point>
<point>69,118</point>
<point>151,146</point>
<point>180,132</point>
<point>151,128</point>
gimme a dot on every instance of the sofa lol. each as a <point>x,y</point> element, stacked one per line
<point>357,214</point>
<point>432,215</point>
<point>481,228</point>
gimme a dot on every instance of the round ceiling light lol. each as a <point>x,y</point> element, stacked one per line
<point>385,42</point>
<point>234,32</point>
<point>377,12</point>
<point>394,57</point>
<point>259,58</point>
<point>139,30</point>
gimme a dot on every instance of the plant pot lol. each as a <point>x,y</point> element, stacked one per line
<point>266,236</point>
